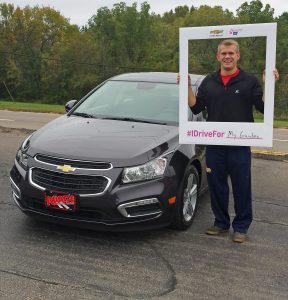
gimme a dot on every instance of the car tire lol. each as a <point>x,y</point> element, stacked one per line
<point>187,200</point>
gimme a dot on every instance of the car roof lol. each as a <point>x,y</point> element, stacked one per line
<point>159,77</point>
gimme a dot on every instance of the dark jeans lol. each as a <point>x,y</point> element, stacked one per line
<point>224,161</point>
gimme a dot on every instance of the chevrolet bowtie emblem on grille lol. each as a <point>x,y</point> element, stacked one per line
<point>66,168</point>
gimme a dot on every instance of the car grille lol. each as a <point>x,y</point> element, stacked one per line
<point>73,163</point>
<point>70,183</point>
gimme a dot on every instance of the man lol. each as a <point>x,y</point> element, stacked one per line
<point>229,96</point>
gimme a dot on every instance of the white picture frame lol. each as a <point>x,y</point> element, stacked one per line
<point>228,133</point>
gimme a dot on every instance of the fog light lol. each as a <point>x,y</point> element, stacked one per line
<point>140,208</point>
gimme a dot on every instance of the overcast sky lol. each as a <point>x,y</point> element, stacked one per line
<point>80,11</point>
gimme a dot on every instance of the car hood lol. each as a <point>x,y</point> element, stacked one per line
<point>120,142</point>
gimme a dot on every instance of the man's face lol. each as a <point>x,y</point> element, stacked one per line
<point>228,57</point>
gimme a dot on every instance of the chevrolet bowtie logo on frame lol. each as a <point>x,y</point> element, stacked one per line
<point>66,168</point>
<point>216,32</point>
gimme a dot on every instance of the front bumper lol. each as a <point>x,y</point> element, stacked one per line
<point>121,207</point>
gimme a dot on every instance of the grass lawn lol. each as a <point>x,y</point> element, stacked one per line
<point>34,107</point>
<point>281,123</point>
<point>277,123</point>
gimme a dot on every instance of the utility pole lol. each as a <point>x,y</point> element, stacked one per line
<point>8,91</point>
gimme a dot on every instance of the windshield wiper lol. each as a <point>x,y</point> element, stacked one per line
<point>84,115</point>
<point>133,120</point>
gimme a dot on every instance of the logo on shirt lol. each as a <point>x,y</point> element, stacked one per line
<point>237,92</point>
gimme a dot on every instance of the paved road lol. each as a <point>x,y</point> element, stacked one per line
<point>45,261</point>
<point>27,120</point>
<point>33,121</point>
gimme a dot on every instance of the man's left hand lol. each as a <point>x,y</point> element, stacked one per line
<point>276,75</point>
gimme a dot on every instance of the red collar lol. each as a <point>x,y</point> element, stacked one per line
<point>226,78</point>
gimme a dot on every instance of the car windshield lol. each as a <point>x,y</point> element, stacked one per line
<point>133,101</point>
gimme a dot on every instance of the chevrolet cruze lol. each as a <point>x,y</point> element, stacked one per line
<point>114,161</point>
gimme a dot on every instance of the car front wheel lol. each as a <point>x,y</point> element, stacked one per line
<point>187,199</point>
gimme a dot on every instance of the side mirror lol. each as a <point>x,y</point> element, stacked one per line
<point>69,105</point>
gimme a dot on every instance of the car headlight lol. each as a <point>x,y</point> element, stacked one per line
<point>150,170</point>
<point>22,156</point>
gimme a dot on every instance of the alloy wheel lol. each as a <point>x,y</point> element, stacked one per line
<point>190,198</point>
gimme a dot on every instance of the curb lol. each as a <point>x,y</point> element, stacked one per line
<point>270,155</point>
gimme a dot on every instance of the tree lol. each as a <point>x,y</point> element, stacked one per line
<point>28,35</point>
<point>71,68</point>
<point>255,13</point>
<point>125,36</point>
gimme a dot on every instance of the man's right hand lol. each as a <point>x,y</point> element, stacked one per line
<point>189,79</point>
<point>191,97</point>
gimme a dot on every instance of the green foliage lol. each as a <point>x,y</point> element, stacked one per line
<point>254,13</point>
<point>44,57</point>
<point>125,37</point>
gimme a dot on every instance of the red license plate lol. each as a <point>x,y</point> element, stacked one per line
<point>59,201</point>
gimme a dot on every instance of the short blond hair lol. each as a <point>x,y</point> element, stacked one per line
<point>229,42</point>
